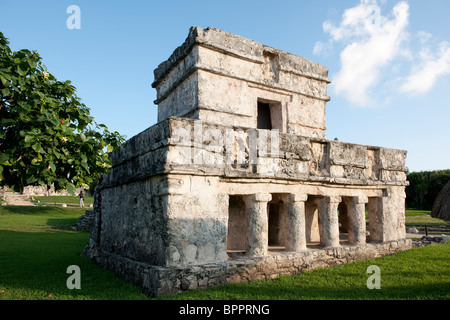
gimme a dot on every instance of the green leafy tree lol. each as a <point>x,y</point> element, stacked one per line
<point>47,136</point>
<point>424,187</point>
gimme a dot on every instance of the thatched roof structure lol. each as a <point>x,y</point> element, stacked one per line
<point>441,206</point>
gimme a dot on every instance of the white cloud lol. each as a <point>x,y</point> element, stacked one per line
<point>430,67</point>
<point>379,58</point>
<point>321,48</point>
<point>371,42</point>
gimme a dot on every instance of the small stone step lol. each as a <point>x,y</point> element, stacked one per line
<point>17,199</point>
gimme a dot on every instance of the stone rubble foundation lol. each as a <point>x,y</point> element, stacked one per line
<point>86,221</point>
<point>159,281</point>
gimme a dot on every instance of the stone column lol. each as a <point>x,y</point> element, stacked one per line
<point>328,221</point>
<point>295,222</point>
<point>357,216</point>
<point>258,229</point>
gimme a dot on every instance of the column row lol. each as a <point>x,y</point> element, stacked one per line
<point>295,237</point>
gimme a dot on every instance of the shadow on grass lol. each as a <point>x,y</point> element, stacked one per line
<point>33,265</point>
<point>62,223</point>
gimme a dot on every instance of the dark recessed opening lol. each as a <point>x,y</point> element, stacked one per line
<point>263,120</point>
<point>274,224</point>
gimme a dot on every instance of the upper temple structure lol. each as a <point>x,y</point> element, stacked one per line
<point>237,181</point>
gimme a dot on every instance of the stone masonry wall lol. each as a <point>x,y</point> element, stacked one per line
<point>218,77</point>
<point>130,203</point>
<point>204,148</point>
<point>196,220</point>
<point>164,201</point>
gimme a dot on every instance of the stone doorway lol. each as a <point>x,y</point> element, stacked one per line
<point>264,120</point>
<point>269,115</point>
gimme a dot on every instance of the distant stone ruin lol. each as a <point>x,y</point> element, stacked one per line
<point>41,190</point>
<point>237,181</point>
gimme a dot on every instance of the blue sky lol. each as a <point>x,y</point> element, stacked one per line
<point>389,60</point>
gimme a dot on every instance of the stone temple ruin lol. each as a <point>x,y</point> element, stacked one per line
<point>237,181</point>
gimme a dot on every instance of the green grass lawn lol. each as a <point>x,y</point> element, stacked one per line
<point>419,274</point>
<point>422,218</point>
<point>37,245</point>
<point>413,212</point>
